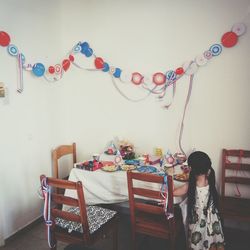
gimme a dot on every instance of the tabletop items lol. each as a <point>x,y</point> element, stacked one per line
<point>121,156</point>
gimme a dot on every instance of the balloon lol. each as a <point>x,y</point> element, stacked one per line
<point>4,39</point>
<point>38,69</point>
<point>105,67</point>
<point>99,63</point>
<point>51,70</point>
<point>88,52</point>
<point>71,58</point>
<point>117,73</point>
<point>66,64</point>
<point>179,71</point>
<point>229,39</point>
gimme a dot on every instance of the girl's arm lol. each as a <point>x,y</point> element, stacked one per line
<point>181,190</point>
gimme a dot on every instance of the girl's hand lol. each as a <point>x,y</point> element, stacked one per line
<point>182,190</point>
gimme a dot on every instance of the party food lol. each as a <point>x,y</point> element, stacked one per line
<point>181,177</point>
<point>109,168</point>
<point>126,167</point>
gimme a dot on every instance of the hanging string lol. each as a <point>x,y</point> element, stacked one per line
<point>184,113</point>
<point>126,97</point>
<point>20,73</point>
<point>46,189</point>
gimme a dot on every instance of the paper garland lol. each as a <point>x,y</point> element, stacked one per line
<point>155,84</point>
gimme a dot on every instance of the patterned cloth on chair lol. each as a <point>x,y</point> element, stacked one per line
<point>97,216</point>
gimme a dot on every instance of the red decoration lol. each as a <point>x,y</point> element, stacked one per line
<point>66,64</point>
<point>4,39</point>
<point>71,58</point>
<point>179,71</point>
<point>99,63</point>
<point>137,78</point>
<point>51,70</point>
<point>159,78</point>
<point>229,39</point>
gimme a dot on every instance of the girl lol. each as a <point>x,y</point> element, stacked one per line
<point>204,225</point>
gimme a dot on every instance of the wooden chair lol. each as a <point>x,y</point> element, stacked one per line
<point>59,153</point>
<point>77,223</point>
<point>147,217</point>
<point>234,175</point>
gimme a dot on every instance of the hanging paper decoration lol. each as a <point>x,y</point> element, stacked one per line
<point>4,39</point>
<point>66,64</point>
<point>229,39</point>
<point>137,78</point>
<point>38,69</point>
<point>216,49</point>
<point>179,71</point>
<point>159,78</point>
<point>58,69</point>
<point>71,58</point>
<point>208,54</point>
<point>99,63</point>
<point>239,29</point>
<point>12,49</point>
<point>51,69</point>
<point>156,84</point>
<point>117,73</point>
<point>105,67</point>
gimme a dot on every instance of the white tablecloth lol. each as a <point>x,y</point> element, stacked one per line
<point>102,187</point>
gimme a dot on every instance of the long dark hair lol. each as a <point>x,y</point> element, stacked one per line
<point>200,164</point>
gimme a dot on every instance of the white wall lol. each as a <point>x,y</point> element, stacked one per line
<point>85,107</point>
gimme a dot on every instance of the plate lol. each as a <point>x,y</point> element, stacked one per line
<point>181,177</point>
<point>109,168</point>
<point>147,169</point>
<point>126,167</point>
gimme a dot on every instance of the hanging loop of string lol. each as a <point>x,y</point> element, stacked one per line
<point>165,195</point>
<point>46,191</point>
<point>184,112</point>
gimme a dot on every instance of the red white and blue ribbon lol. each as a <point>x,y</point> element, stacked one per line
<point>20,73</point>
<point>46,190</point>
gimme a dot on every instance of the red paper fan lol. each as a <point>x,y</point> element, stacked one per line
<point>229,39</point>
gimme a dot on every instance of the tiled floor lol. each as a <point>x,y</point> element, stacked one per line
<point>35,239</point>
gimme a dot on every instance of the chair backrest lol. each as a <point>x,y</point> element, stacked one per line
<point>235,165</point>
<point>58,200</point>
<point>58,153</point>
<point>144,198</point>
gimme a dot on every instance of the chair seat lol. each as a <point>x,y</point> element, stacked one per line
<point>233,207</point>
<point>97,216</point>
